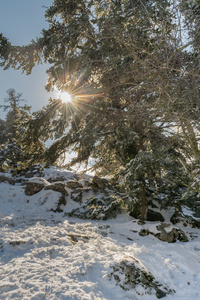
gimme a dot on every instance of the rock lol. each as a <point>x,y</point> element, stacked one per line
<point>178,217</point>
<point>61,201</point>
<point>16,243</point>
<point>193,223</point>
<point>35,185</point>
<point>57,187</point>
<point>33,171</point>
<point>152,204</point>
<point>83,190</point>
<point>77,197</point>
<point>160,294</point>
<point>77,194</point>
<point>72,184</point>
<point>7,179</point>
<point>33,188</point>
<point>144,232</point>
<point>154,216</point>
<point>128,276</point>
<point>135,212</point>
<point>29,174</point>
<point>165,237</point>
<point>99,183</point>
<point>75,238</point>
<point>58,178</point>
<point>162,226</point>
<point>171,236</point>
<point>179,235</point>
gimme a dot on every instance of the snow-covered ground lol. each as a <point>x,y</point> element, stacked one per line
<point>46,255</point>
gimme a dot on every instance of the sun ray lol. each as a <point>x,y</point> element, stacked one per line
<point>74,89</point>
<point>65,97</point>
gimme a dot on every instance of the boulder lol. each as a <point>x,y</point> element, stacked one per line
<point>57,187</point>
<point>154,216</point>
<point>166,234</point>
<point>7,179</point>
<point>99,183</point>
<point>33,188</point>
<point>72,184</point>
<point>35,185</point>
<point>170,236</point>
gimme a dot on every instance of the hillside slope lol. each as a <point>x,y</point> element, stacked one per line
<point>48,255</point>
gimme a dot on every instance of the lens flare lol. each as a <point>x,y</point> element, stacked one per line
<point>65,97</point>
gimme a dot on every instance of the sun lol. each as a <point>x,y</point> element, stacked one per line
<point>65,97</point>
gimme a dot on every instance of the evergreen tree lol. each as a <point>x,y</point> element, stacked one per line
<point>3,137</point>
<point>16,113</point>
<point>16,150</point>
<point>123,64</point>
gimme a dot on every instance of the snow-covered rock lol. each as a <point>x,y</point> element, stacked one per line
<point>57,187</point>
<point>35,185</point>
<point>166,233</point>
<point>8,179</point>
<point>72,184</point>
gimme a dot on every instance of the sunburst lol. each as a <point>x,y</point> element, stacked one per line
<point>76,94</point>
<point>65,96</point>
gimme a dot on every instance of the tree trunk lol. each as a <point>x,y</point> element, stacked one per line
<point>144,202</point>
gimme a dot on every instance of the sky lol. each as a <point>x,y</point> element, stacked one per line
<point>21,21</point>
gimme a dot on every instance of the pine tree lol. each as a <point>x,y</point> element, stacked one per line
<point>3,137</point>
<point>16,150</point>
<point>122,63</point>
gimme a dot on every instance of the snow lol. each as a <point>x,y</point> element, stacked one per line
<point>39,180</point>
<point>46,255</point>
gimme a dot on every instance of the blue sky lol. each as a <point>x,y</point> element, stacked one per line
<point>21,21</point>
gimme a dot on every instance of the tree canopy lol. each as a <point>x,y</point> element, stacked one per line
<point>132,68</point>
